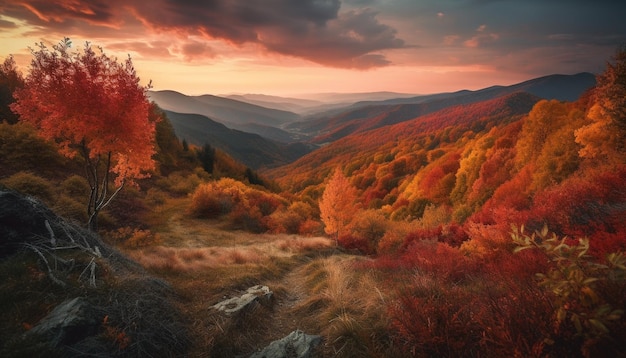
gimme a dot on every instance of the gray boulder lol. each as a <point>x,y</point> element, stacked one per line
<point>252,296</point>
<point>295,345</point>
<point>69,322</point>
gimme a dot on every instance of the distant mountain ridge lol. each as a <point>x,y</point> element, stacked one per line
<point>234,114</point>
<point>310,104</point>
<point>296,105</point>
<point>557,86</point>
<point>364,116</point>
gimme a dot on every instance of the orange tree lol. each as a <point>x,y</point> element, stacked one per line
<point>92,106</point>
<point>337,206</point>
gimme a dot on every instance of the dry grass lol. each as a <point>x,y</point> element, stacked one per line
<point>344,305</point>
<point>200,258</point>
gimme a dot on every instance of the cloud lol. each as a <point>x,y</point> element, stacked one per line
<point>52,13</point>
<point>481,38</point>
<point>196,49</point>
<point>310,29</point>
<point>315,30</point>
<point>153,49</point>
<point>353,40</point>
<point>5,24</point>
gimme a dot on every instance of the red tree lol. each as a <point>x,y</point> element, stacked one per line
<point>93,106</point>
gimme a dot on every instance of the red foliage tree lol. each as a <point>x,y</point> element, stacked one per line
<point>93,106</point>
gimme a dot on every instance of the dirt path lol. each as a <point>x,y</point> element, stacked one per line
<point>206,263</point>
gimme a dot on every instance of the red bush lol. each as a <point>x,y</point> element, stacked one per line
<point>592,207</point>
<point>359,244</point>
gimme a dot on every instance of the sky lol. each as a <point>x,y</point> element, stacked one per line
<point>291,47</point>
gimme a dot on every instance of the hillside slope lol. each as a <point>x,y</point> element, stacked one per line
<point>402,138</point>
<point>248,148</point>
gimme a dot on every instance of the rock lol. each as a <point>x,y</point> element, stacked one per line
<point>25,220</point>
<point>253,295</point>
<point>295,345</point>
<point>21,219</point>
<point>69,322</point>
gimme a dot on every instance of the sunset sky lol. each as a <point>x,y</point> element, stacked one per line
<point>289,47</point>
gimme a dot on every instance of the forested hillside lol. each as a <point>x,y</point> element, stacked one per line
<point>515,160</point>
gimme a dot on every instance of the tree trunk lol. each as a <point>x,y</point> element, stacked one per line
<point>92,224</point>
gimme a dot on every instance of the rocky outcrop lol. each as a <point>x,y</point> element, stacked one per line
<point>70,322</point>
<point>21,220</point>
<point>252,296</point>
<point>25,220</point>
<point>101,282</point>
<point>295,345</point>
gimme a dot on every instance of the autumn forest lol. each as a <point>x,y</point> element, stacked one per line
<point>485,227</point>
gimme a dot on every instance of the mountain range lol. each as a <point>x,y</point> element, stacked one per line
<point>247,128</point>
<point>366,115</point>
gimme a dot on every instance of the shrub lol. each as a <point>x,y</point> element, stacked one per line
<point>310,227</point>
<point>285,221</point>
<point>248,208</point>
<point>134,238</point>
<point>67,207</point>
<point>587,296</point>
<point>433,320</point>
<point>209,202</point>
<point>180,183</point>
<point>76,186</point>
<point>370,225</point>
<point>485,241</point>
<point>245,218</point>
<point>453,235</point>
<point>356,243</point>
<point>31,184</point>
<point>394,237</point>
<point>156,197</point>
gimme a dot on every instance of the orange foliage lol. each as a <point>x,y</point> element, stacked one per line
<point>604,138</point>
<point>337,206</point>
<point>91,105</point>
<point>247,207</point>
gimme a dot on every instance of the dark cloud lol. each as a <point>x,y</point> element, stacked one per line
<point>311,29</point>
<point>46,13</point>
<point>315,30</point>
<point>350,41</point>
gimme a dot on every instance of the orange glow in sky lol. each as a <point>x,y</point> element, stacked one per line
<point>286,47</point>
